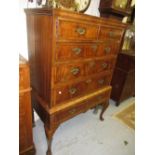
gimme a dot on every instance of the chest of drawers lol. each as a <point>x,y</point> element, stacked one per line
<point>72,57</point>
<point>26,146</point>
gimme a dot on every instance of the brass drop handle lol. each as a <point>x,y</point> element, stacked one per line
<point>77,50</point>
<point>111,34</point>
<point>107,49</point>
<point>104,65</point>
<point>88,81</point>
<point>101,81</point>
<point>72,91</point>
<point>81,31</point>
<point>72,111</point>
<point>94,47</point>
<point>75,71</point>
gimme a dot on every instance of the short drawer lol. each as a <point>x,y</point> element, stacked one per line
<point>65,72</point>
<point>70,30</point>
<point>103,80</point>
<point>66,51</point>
<point>110,33</point>
<point>98,66</point>
<point>97,82</point>
<point>107,49</point>
<point>98,99</point>
<point>68,92</point>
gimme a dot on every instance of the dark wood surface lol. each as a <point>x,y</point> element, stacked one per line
<point>108,9</point>
<point>72,57</point>
<point>123,81</point>
<point>26,146</point>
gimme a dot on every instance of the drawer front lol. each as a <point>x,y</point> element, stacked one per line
<point>82,106</point>
<point>97,82</point>
<point>98,99</point>
<point>70,30</point>
<point>98,66</point>
<point>24,81</point>
<point>110,33</point>
<point>107,49</point>
<point>66,93</point>
<point>67,51</point>
<point>91,50</point>
<point>65,72</point>
<point>103,80</point>
<point>71,112</point>
<point>69,92</point>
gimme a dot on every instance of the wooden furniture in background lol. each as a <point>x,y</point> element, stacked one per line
<point>26,146</point>
<point>123,81</point>
<point>117,9</point>
<point>72,57</point>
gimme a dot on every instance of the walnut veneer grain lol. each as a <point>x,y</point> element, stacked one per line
<point>26,146</point>
<point>72,57</point>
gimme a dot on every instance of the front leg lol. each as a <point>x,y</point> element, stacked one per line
<point>49,142</point>
<point>104,107</point>
<point>49,137</point>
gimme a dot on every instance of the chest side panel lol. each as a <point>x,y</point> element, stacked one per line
<point>39,29</point>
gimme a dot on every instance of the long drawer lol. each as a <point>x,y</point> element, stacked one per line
<point>72,71</point>
<point>70,51</point>
<point>72,111</point>
<point>77,89</point>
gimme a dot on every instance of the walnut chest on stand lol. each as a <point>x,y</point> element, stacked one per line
<point>72,57</point>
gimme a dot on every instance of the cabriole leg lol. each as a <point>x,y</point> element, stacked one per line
<point>104,107</point>
<point>49,137</point>
<point>49,142</point>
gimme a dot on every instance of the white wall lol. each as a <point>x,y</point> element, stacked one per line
<point>23,33</point>
<point>93,8</point>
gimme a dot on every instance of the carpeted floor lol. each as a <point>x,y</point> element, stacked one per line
<point>127,115</point>
<point>86,134</point>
